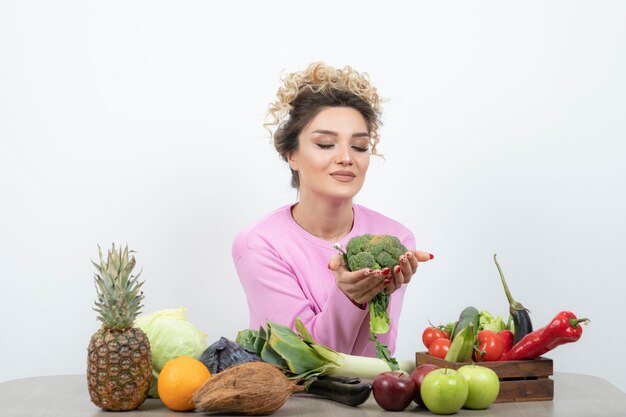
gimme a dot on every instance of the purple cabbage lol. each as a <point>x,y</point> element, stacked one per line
<point>225,353</point>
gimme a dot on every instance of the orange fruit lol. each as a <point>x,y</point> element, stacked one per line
<point>179,379</point>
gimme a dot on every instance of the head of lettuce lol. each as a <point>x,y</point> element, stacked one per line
<point>170,335</point>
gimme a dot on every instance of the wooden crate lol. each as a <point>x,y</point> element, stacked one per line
<point>527,380</point>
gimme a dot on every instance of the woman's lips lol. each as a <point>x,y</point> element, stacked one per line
<point>343,176</point>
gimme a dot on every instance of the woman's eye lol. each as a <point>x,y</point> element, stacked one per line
<point>360,148</point>
<point>325,145</point>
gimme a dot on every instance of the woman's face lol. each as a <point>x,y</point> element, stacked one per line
<point>333,154</point>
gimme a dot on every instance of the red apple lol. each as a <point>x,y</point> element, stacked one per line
<point>417,375</point>
<point>393,390</point>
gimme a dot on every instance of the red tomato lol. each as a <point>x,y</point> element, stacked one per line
<point>489,346</point>
<point>439,348</point>
<point>431,334</point>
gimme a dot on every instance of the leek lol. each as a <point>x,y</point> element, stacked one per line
<point>302,358</point>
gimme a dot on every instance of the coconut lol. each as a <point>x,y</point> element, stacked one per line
<point>253,388</point>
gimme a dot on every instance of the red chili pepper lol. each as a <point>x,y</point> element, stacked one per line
<point>564,328</point>
<point>507,337</point>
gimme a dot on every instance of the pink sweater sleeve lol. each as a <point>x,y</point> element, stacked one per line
<point>274,293</point>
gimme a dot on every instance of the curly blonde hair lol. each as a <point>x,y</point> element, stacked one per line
<point>304,94</point>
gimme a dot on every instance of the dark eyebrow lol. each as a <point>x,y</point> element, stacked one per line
<point>331,133</point>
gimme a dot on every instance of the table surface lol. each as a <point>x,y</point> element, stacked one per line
<point>67,396</point>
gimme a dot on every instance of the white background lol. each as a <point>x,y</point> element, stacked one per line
<point>141,122</point>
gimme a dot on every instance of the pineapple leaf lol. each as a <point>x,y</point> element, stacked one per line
<point>118,292</point>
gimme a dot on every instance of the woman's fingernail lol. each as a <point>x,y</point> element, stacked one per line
<point>386,271</point>
<point>328,265</point>
<point>396,269</point>
<point>387,281</point>
<point>431,255</point>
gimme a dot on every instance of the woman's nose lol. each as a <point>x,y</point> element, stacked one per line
<point>343,156</point>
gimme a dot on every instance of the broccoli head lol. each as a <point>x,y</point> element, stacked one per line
<point>373,251</point>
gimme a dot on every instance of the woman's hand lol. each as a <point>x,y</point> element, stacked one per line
<point>403,272</point>
<point>359,286</point>
<point>362,285</point>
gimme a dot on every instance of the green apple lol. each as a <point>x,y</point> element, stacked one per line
<point>444,391</point>
<point>483,386</point>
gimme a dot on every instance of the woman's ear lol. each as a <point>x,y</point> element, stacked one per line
<point>292,158</point>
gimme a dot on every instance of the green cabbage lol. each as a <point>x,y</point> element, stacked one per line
<point>170,336</point>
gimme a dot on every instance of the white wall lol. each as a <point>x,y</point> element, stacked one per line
<point>140,122</point>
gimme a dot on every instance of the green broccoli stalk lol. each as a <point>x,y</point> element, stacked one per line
<point>379,318</point>
<point>375,252</point>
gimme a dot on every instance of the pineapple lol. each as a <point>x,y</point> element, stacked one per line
<point>119,364</point>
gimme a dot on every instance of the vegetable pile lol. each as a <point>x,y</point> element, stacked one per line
<point>479,336</point>
<point>301,357</point>
<point>489,345</point>
<point>256,374</point>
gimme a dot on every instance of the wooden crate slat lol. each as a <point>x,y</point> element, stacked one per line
<point>526,390</point>
<point>510,369</point>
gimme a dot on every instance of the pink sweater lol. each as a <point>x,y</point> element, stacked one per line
<point>284,272</point>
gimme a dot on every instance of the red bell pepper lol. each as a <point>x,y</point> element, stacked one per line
<point>564,328</point>
<point>507,337</point>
